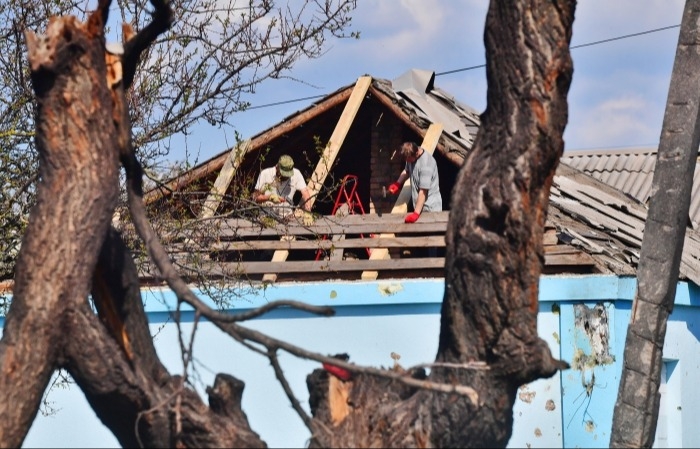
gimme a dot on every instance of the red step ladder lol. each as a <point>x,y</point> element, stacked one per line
<point>347,195</point>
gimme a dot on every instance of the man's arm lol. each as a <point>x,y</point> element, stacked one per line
<point>305,197</point>
<point>420,201</point>
<point>402,177</point>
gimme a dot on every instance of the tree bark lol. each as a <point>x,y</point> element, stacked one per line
<point>494,252</point>
<point>76,195</point>
<point>637,407</point>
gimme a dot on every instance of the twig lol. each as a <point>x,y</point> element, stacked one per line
<point>272,355</point>
<point>477,366</point>
<point>319,310</point>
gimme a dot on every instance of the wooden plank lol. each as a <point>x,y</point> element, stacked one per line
<point>218,190</point>
<point>338,137</point>
<point>368,228</point>
<point>331,151</point>
<point>296,244</point>
<point>305,266</point>
<point>430,141</point>
<point>579,258</point>
<point>329,220</point>
<point>337,251</point>
<point>232,229</point>
<point>360,265</point>
<point>550,237</point>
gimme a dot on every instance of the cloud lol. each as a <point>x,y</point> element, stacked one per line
<point>624,120</point>
<point>413,33</point>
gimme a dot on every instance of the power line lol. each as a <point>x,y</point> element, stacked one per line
<point>589,44</point>
<point>278,103</point>
<point>625,36</point>
<point>464,69</point>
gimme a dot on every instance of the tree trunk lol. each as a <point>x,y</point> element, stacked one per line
<point>494,253</point>
<point>69,252</point>
<point>76,195</point>
<point>637,406</point>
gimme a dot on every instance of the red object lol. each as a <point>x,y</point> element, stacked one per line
<point>337,371</point>
<point>347,195</point>
<point>394,188</point>
<point>412,217</point>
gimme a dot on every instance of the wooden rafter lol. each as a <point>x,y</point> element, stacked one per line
<point>256,142</point>
<point>218,190</point>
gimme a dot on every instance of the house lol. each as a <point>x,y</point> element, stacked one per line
<point>388,296</point>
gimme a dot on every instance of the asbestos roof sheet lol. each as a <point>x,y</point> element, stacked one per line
<point>607,224</point>
<point>629,170</point>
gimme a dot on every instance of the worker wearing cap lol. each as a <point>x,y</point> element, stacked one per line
<point>277,185</point>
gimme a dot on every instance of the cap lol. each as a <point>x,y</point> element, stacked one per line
<point>286,166</point>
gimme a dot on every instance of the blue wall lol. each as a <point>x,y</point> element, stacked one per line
<point>374,319</point>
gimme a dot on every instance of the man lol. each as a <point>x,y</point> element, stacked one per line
<point>422,169</point>
<point>276,186</point>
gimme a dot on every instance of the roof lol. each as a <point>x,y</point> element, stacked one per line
<point>630,170</point>
<point>590,228</point>
<point>607,224</point>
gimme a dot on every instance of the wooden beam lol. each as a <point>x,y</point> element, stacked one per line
<point>430,141</point>
<point>330,152</point>
<point>306,266</point>
<point>427,241</point>
<point>218,190</point>
<point>338,137</point>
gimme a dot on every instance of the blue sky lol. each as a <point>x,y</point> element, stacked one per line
<point>617,97</point>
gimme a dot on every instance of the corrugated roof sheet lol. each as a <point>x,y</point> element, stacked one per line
<point>607,224</point>
<point>629,170</point>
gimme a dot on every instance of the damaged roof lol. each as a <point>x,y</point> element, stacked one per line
<point>630,170</point>
<point>607,224</point>
<point>592,227</point>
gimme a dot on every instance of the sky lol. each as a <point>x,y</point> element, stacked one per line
<point>616,100</point>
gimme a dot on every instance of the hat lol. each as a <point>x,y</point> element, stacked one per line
<point>286,166</point>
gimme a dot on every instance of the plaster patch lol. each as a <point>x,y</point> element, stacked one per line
<point>389,289</point>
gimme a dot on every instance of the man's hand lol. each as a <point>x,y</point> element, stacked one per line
<point>394,188</point>
<point>276,198</point>
<point>308,218</point>
<point>412,217</point>
<point>304,217</point>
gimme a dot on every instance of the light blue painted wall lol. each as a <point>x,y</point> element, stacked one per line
<point>376,318</point>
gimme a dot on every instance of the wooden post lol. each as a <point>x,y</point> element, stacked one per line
<point>430,141</point>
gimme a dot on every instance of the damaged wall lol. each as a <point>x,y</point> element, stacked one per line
<point>583,318</point>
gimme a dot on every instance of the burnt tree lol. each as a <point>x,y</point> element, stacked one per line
<point>494,254</point>
<point>488,342</point>
<point>69,251</point>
